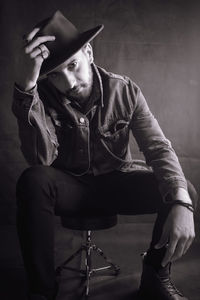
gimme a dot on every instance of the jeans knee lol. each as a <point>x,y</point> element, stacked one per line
<point>29,176</point>
<point>30,181</point>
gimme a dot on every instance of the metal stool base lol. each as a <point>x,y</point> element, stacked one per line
<point>88,271</point>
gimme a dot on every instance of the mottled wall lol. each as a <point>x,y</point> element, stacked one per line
<point>155,42</point>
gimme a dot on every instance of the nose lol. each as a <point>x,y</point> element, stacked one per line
<point>69,79</point>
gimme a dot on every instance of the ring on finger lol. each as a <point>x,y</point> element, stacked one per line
<point>41,51</point>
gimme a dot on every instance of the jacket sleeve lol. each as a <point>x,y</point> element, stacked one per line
<point>36,131</point>
<point>156,148</point>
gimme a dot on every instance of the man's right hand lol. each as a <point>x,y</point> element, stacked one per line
<point>30,59</point>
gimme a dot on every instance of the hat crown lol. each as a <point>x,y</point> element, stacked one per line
<point>59,26</point>
<point>68,40</point>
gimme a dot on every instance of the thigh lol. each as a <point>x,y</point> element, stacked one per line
<point>74,194</point>
<point>133,193</point>
<point>44,186</point>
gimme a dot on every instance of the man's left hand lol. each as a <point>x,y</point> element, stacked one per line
<point>178,233</point>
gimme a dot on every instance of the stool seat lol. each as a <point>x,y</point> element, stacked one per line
<point>88,222</point>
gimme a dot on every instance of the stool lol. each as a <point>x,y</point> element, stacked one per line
<point>88,224</point>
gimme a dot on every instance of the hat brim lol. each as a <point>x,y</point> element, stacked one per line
<point>53,62</point>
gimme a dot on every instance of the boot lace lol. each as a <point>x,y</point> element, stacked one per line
<point>169,286</point>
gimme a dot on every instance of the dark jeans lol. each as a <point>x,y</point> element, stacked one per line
<point>45,191</point>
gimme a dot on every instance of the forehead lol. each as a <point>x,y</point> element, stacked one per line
<point>77,56</point>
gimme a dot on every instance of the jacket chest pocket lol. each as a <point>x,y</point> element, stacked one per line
<point>115,137</point>
<point>61,123</point>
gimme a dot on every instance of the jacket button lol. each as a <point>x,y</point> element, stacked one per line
<point>82,120</point>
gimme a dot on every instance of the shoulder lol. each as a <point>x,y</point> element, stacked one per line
<point>120,86</point>
<point>109,75</point>
<point>117,79</point>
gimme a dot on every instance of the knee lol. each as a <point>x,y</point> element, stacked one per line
<point>36,175</point>
<point>193,193</point>
<point>30,181</point>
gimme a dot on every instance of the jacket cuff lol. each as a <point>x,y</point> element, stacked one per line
<point>172,189</point>
<point>21,91</point>
<point>23,101</point>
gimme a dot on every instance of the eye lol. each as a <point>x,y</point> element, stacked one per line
<point>72,65</point>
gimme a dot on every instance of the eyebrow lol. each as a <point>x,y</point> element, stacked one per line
<point>73,60</point>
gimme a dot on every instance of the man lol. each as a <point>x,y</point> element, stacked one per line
<point>74,121</point>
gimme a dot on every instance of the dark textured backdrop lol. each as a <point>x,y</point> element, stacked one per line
<point>155,42</point>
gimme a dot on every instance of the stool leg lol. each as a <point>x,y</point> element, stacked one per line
<point>88,260</point>
<point>64,264</point>
<point>88,248</point>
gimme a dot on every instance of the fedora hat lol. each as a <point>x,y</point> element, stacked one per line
<point>68,40</point>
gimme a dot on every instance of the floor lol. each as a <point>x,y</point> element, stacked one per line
<point>123,244</point>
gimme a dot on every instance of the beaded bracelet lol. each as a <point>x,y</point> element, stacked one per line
<point>182,203</point>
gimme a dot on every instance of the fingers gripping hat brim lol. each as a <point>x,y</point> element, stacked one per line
<point>68,40</point>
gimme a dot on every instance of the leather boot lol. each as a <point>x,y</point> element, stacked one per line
<point>156,283</point>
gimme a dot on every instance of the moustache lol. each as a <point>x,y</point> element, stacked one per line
<point>75,89</point>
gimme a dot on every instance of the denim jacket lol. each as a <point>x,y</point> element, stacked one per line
<point>53,133</point>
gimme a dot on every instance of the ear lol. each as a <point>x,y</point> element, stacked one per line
<point>89,52</point>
